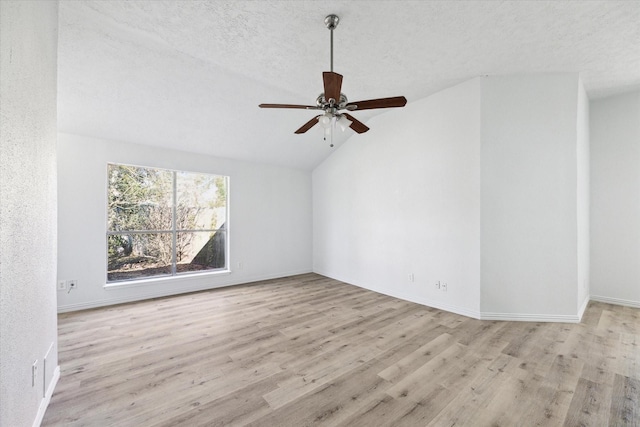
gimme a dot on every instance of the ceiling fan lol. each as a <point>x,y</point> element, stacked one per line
<point>334,103</point>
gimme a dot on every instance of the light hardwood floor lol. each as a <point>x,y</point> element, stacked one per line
<point>308,350</point>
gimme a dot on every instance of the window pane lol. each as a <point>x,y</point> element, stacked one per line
<point>158,217</point>
<point>139,198</point>
<point>136,256</point>
<point>202,201</point>
<point>200,250</point>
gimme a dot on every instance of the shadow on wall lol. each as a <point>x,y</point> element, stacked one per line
<point>212,254</point>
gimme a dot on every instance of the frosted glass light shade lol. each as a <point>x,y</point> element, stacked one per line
<point>325,120</point>
<point>344,123</point>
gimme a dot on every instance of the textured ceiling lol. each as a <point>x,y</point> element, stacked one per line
<point>190,74</point>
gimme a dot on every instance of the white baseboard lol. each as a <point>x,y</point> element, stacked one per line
<point>176,291</point>
<point>616,301</point>
<point>520,317</point>
<point>583,308</point>
<point>44,403</point>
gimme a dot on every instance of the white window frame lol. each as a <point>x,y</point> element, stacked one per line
<point>174,231</point>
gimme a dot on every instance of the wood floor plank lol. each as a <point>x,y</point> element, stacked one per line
<point>401,412</point>
<point>625,402</point>
<point>312,351</point>
<point>412,386</point>
<point>628,356</point>
<point>548,404</point>
<point>318,373</point>
<point>331,402</point>
<point>413,361</point>
<point>590,405</point>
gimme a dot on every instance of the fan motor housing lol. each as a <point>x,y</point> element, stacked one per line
<point>322,102</point>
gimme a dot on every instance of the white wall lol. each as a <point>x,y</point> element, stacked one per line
<point>28,42</point>
<point>483,186</point>
<point>529,196</point>
<point>404,198</point>
<point>269,225</point>
<point>615,199</point>
<point>584,200</point>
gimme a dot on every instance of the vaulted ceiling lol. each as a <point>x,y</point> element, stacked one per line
<point>189,75</point>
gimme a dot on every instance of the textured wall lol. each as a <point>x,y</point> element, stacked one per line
<point>28,42</point>
<point>615,199</point>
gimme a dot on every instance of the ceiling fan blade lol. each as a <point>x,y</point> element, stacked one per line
<point>311,123</point>
<point>356,124</point>
<point>302,107</point>
<point>370,104</point>
<point>332,85</point>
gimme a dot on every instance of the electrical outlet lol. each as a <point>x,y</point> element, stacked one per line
<point>411,278</point>
<point>62,285</point>
<point>72,284</point>
<point>438,285</point>
<point>34,372</point>
<point>444,287</point>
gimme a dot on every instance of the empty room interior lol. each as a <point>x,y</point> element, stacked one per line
<point>336,213</point>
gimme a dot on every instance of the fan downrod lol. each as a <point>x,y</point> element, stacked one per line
<point>331,21</point>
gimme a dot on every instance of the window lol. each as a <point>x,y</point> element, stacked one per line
<point>164,223</point>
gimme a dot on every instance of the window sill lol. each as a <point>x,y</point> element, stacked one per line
<point>163,280</point>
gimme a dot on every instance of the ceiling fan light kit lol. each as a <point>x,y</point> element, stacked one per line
<point>334,103</point>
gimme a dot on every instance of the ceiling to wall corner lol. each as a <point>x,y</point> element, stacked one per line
<point>189,75</point>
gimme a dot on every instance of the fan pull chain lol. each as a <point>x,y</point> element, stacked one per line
<point>333,125</point>
<point>328,131</point>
